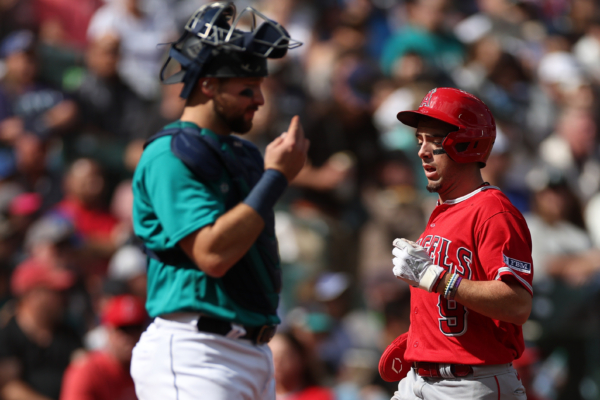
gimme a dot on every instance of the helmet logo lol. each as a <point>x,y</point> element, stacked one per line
<point>427,98</point>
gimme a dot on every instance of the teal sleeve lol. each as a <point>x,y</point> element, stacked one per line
<point>181,203</point>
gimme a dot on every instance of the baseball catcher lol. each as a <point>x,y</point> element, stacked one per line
<point>203,206</point>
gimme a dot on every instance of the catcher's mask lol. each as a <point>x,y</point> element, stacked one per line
<point>475,132</point>
<point>213,46</point>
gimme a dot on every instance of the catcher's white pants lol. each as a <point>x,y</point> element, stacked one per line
<point>173,360</point>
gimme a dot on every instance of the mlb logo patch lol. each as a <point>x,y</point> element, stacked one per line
<point>519,266</point>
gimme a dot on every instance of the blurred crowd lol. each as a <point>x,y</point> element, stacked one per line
<point>79,93</point>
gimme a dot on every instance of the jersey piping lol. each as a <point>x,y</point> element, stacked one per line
<point>503,270</point>
<point>468,196</point>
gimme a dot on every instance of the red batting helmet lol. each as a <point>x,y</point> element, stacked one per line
<point>476,129</point>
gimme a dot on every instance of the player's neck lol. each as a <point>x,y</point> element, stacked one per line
<point>462,186</point>
<point>204,116</point>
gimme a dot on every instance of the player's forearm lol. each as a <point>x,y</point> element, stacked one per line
<point>504,301</point>
<point>216,248</point>
<point>19,390</point>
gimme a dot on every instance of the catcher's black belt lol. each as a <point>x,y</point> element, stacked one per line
<point>256,334</point>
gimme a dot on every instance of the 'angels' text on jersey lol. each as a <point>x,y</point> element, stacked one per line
<point>453,315</point>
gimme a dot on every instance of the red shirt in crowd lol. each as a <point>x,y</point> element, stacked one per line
<point>92,224</point>
<point>97,376</point>
<point>310,393</point>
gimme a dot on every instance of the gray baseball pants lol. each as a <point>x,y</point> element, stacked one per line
<point>489,382</point>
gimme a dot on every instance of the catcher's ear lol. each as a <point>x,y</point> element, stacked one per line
<point>208,87</point>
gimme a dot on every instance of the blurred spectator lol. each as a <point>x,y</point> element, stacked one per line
<point>560,83</point>
<point>298,17</point>
<point>140,26</point>
<point>323,55</point>
<point>331,291</point>
<point>128,265</point>
<point>23,211</point>
<point>121,203</point>
<point>108,106</point>
<point>51,240</point>
<point>499,172</point>
<point>344,149</point>
<point>43,110</point>
<point>573,150</point>
<point>358,371</point>
<point>62,29</point>
<point>562,315</point>
<point>562,78</point>
<point>556,223</point>
<point>10,236</point>
<point>112,114</point>
<point>499,58</point>
<point>483,56</point>
<point>104,374</point>
<point>84,205</point>
<point>68,19</point>
<point>587,50</point>
<point>388,99</point>
<point>506,89</point>
<point>426,36</point>
<point>33,170</point>
<point>16,15</point>
<point>35,345</point>
<point>296,375</point>
<point>511,23</point>
<point>581,13</point>
<point>395,207</point>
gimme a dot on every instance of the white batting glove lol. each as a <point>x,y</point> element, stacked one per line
<point>413,265</point>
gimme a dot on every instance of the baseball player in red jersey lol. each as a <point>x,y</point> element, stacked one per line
<point>471,269</point>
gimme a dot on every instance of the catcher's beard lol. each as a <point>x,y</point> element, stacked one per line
<point>236,123</point>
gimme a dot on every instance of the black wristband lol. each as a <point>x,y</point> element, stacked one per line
<point>266,192</point>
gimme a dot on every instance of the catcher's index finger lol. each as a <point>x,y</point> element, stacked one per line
<point>295,131</point>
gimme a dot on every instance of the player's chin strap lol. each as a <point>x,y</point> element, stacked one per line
<point>437,152</point>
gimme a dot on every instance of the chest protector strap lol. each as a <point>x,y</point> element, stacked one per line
<point>251,287</point>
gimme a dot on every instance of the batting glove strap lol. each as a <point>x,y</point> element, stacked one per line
<point>430,277</point>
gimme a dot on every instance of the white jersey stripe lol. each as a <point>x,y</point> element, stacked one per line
<point>473,193</point>
<point>523,281</point>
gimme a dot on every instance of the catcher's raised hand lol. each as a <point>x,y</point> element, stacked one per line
<point>287,153</point>
<point>413,265</point>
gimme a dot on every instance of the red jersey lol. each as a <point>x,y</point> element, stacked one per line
<point>482,237</point>
<point>97,376</point>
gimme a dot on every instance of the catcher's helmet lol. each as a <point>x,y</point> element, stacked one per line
<point>213,46</point>
<point>474,137</point>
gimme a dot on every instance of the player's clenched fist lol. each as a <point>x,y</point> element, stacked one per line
<point>287,153</point>
<point>413,265</point>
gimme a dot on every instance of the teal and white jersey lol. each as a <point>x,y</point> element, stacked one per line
<point>170,202</point>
